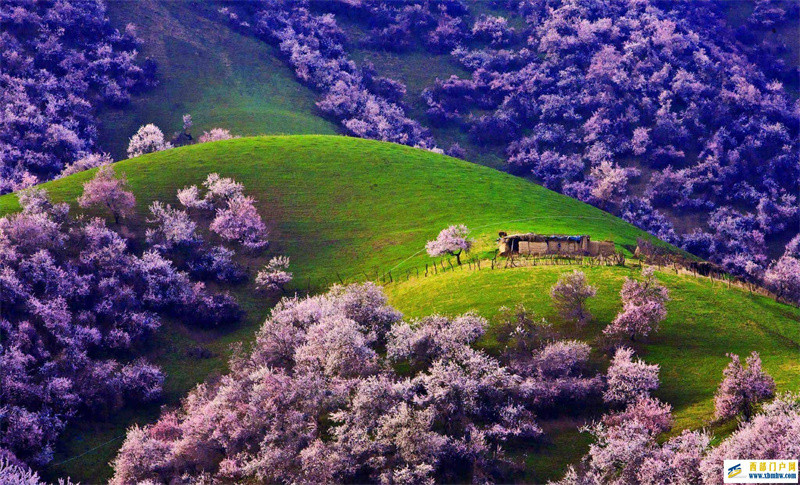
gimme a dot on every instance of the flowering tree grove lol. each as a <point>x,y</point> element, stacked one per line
<point>73,299</point>
<point>626,449</point>
<point>61,61</point>
<point>577,107</point>
<point>316,401</point>
<point>367,106</point>
<point>78,305</point>
<point>771,434</point>
<point>235,216</point>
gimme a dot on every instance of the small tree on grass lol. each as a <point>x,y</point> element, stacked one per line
<point>628,379</point>
<point>520,331</point>
<point>106,189</point>
<point>654,415</point>
<point>187,125</point>
<point>742,388</point>
<point>216,134</point>
<point>149,138</point>
<point>569,297</point>
<point>274,276</point>
<point>643,307</point>
<point>239,221</point>
<point>783,277</point>
<point>451,241</point>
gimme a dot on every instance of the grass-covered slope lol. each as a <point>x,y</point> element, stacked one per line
<point>347,205</point>
<point>706,320</point>
<point>353,209</point>
<point>339,207</point>
<point>221,77</point>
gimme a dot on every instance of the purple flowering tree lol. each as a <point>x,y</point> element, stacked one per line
<point>147,139</point>
<point>629,379</point>
<point>107,190</point>
<point>742,387</point>
<point>643,307</point>
<point>274,276</point>
<point>569,296</point>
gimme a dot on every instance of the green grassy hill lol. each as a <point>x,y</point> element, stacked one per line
<point>352,209</point>
<point>219,76</point>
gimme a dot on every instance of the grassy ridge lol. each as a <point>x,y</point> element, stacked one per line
<point>346,205</point>
<point>352,208</point>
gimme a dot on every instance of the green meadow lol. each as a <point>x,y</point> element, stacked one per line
<point>346,209</point>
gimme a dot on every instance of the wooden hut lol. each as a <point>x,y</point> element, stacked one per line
<point>540,244</point>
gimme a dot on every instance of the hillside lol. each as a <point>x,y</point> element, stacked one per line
<point>220,77</point>
<point>525,89</point>
<point>338,204</point>
<point>705,321</point>
<point>352,209</point>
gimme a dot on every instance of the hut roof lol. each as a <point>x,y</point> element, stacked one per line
<point>544,237</point>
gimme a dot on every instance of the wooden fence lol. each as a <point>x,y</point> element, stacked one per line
<point>445,265</point>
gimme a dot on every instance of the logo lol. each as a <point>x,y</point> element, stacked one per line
<point>760,471</point>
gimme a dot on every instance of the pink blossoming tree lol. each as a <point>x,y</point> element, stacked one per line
<point>274,276</point>
<point>108,190</point>
<point>742,388</point>
<point>215,134</point>
<point>569,296</point>
<point>629,379</point>
<point>643,307</point>
<point>147,139</point>
<point>451,241</point>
